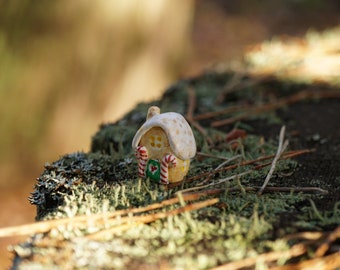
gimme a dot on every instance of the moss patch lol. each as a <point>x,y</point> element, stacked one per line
<point>241,225</point>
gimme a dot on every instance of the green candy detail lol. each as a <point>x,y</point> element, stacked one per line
<point>153,169</point>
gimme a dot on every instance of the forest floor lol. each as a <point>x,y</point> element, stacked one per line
<point>249,130</point>
<point>310,124</point>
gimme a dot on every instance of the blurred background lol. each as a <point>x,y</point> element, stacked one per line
<point>68,66</point>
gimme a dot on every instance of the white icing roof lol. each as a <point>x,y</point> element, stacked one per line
<point>177,129</point>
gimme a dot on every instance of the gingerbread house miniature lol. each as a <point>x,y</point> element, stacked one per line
<point>164,145</point>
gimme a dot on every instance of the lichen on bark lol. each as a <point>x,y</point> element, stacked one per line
<point>241,225</point>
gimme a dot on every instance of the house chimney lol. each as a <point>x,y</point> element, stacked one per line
<point>153,111</point>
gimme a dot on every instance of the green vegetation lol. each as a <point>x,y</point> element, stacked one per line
<point>241,225</point>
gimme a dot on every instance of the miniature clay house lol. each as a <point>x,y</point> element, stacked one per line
<point>164,145</point>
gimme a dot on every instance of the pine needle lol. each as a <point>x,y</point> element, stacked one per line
<point>281,148</point>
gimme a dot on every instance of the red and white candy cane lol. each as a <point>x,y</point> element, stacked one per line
<point>142,156</point>
<point>166,160</point>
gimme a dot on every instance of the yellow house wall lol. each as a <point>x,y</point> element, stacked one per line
<point>157,144</point>
<point>177,173</point>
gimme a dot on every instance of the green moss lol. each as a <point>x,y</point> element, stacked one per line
<point>242,225</point>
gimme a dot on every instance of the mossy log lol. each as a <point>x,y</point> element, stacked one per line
<point>236,121</point>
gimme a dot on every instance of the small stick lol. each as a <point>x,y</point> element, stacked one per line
<point>236,83</point>
<point>190,115</point>
<point>213,114</point>
<point>236,80</point>
<point>217,182</point>
<point>329,262</point>
<point>229,120</point>
<point>305,235</point>
<point>302,95</point>
<point>326,244</point>
<point>281,148</point>
<point>226,162</point>
<point>267,189</point>
<point>286,155</point>
<point>294,251</point>
<point>215,156</point>
<point>130,221</point>
<point>45,226</point>
<point>294,189</point>
<point>219,167</point>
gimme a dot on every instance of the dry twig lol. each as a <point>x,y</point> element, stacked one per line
<point>305,235</point>
<point>45,226</point>
<point>330,262</point>
<point>190,115</point>
<point>326,244</point>
<point>238,82</point>
<point>294,251</point>
<point>281,148</point>
<point>209,192</point>
<point>287,155</point>
<point>302,95</point>
<point>219,167</point>
<point>217,182</point>
<point>128,222</point>
<point>215,156</point>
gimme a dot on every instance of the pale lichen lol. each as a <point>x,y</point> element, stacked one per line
<point>104,180</point>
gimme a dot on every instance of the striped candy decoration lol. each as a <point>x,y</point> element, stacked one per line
<point>166,160</point>
<point>142,156</point>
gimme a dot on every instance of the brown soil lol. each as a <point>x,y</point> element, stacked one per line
<point>318,126</point>
<point>312,124</point>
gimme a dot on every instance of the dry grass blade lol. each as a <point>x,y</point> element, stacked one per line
<point>281,148</point>
<point>214,171</point>
<point>294,189</point>
<point>326,244</point>
<point>209,192</point>
<point>190,115</point>
<point>303,95</point>
<point>305,235</point>
<point>217,157</point>
<point>217,182</point>
<point>128,222</point>
<point>45,226</point>
<point>287,155</point>
<point>238,82</point>
<point>330,262</point>
<point>221,112</point>
<point>295,251</point>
